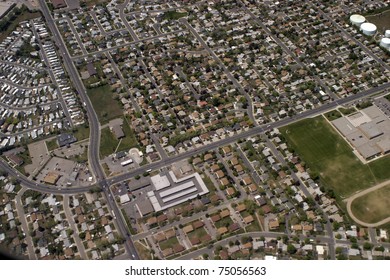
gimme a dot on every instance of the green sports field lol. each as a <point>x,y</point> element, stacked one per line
<point>373,207</point>
<point>326,153</point>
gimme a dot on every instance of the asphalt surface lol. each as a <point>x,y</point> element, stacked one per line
<point>93,151</point>
<point>94,141</point>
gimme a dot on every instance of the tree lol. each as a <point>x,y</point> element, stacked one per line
<point>367,246</point>
<point>291,249</point>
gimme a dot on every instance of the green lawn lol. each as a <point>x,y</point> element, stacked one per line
<point>108,141</point>
<point>199,233</point>
<point>374,206</point>
<point>225,222</point>
<point>52,144</point>
<point>254,226</point>
<point>333,115</point>
<point>328,155</point>
<point>106,107</point>
<point>173,15</point>
<point>81,132</point>
<point>168,243</point>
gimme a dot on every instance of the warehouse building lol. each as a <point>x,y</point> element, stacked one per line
<point>169,191</point>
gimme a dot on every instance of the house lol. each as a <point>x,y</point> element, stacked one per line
<point>214,168</point>
<point>224,213</point>
<point>65,139</point>
<point>222,230</point>
<point>57,4</point>
<point>220,174</point>
<point>151,221</point>
<point>118,132</point>
<point>296,227</point>
<point>197,224</point>
<point>248,219</point>
<point>167,252</point>
<point>240,208</point>
<point>234,227</point>
<point>15,159</point>
<point>273,224</point>
<point>188,229</point>
<point>215,218</point>
<point>90,68</point>
<point>226,150</point>
<point>230,191</point>
<point>224,181</point>
<point>252,188</point>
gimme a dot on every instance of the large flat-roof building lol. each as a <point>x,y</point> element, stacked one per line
<point>368,131</point>
<point>65,139</point>
<point>58,4</point>
<point>169,191</point>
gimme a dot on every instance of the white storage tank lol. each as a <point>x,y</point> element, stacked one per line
<point>387,33</point>
<point>357,20</point>
<point>385,42</point>
<point>368,29</point>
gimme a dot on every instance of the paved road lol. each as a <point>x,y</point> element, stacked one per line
<point>69,218</point>
<point>188,154</point>
<point>253,131</point>
<point>303,188</point>
<point>127,44</point>
<point>287,50</point>
<point>23,220</point>
<point>93,152</point>
<point>367,50</point>
<point>94,145</point>
<point>225,69</point>
<point>362,193</point>
<point>41,69</point>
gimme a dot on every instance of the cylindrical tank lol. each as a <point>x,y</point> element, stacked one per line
<point>385,42</point>
<point>368,29</point>
<point>357,20</point>
<point>387,33</point>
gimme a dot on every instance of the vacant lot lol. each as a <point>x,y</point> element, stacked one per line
<point>381,20</point>
<point>106,107</point>
<point>328,155</point>
<point>109,143</point>
<point>373,207</point>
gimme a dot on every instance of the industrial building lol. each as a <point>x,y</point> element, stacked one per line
<point>168,191</point>
<point>368,29</point>
<point>385,43</point>
<point>65,139</point>
<point>357,20</point>
<point>51,178</point>
<point>368,131</point>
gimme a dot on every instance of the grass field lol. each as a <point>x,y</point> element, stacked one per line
<point>52,144</point>
<point>173,15</point>
<point>109,143</point>
<point>381,20</point>
<point>373,207</point>
<point>326,153</point>
<point>168,243</point>
<point>81,132</point>
<point>106,107</point>
<point>143,252</point>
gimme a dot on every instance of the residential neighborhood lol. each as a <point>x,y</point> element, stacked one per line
<point>214,130</point>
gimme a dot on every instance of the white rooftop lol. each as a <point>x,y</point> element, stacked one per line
<point>160,182</point>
